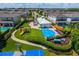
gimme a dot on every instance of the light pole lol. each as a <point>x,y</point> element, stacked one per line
<point>19,48</point>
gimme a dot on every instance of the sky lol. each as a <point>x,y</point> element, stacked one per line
<point>39,5</point>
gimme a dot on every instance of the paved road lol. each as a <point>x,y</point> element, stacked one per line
<point>25,42</point>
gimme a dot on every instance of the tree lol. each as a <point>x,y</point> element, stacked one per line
<point>0,32</point>
<point>2,42</point>
<point>77,47</point>
<point>75,35</point>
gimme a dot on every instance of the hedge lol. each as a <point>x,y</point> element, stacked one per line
<point>62,48</point>
<point>4,38</point>
<point>49,44</point>
<point>52,45</point>
<point>77,47</point>
<point>7,35</point>
<point>3,34</point>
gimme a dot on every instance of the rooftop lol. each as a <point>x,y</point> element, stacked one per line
<point>66,14</point>
<point>6,22</point>
<point>11,13</point>
<point>43,21</point>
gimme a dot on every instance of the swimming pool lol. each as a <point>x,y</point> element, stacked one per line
<point>4,28</point>
<point>47,32</point>
<point>39,52</point>
<point>6,53</point>
<point>34,53</point>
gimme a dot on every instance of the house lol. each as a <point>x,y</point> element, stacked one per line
<point>10,18</point>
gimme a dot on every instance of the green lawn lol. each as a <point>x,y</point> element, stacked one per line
<point>26,24</point>
<point>11,46</point>
<point>47,53</point>
<point>34,35</point>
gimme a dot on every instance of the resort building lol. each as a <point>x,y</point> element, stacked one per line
<point>43,22</point>
<point>65,18</point>
<point>52,19</point>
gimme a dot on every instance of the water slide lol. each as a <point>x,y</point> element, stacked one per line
<point>58,27</point>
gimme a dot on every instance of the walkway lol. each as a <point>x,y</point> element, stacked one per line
<point>74,53</point>
<point>25,42</point>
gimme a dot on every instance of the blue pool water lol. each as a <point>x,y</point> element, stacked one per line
<point>34,53</point>
<point>27,53</point>
<point>48,33</point>
<point>6,53</point>
<point>4,28</point>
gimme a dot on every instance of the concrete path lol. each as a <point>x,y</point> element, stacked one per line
<point>25,42</point>
<point>74,53</point>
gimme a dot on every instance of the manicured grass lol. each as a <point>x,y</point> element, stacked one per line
<point>47,53</point>
<point>36,36</point>
<point>11,46</point>
<point>26,24</point>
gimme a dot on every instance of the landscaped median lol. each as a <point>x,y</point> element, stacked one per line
<point>36,36</point>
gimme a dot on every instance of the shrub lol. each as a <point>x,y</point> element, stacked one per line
<point>77,47</point>
<point>50,44</point>
<point>62,48</point>
<point>8,34</point>
<point>53,24</point>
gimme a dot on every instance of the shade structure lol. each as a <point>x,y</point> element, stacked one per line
<point>43,22</point>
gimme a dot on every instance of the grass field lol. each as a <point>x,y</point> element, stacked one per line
<point>35,35</point>
<point>26,24</point>
<point>47,53</point>
<point>11,46</point>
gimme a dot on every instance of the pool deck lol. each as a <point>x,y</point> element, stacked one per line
<point>54,31</point>
<point>18,53</point>
<point>31,24</point>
